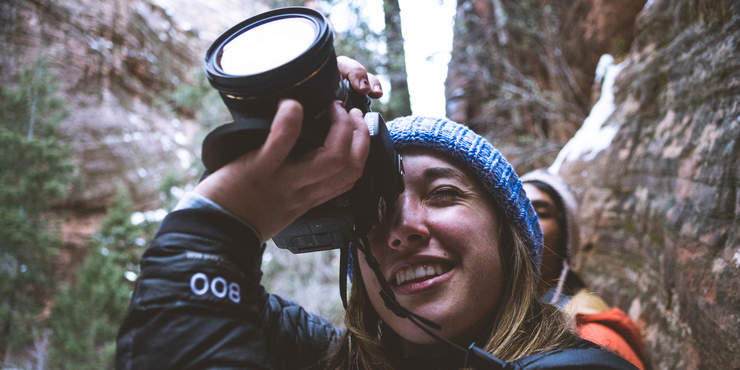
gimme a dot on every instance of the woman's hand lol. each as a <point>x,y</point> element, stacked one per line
<point>269,190</point>
<point>361,81</point>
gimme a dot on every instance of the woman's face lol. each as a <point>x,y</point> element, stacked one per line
<point>547,212</point>
<point>438,251</point>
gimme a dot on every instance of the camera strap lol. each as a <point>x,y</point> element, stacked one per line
<point>343,262</point>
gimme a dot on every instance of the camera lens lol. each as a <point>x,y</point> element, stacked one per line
<point>271,53</point>
<point>282,53</point>
<point>267,46</point>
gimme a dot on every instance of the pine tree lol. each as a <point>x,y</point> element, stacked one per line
<point>87,313</point>
<point>35,171</point>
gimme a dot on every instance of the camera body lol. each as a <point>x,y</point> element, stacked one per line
<point>251,89</point>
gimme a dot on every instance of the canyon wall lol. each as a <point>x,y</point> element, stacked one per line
<point>655,163</point>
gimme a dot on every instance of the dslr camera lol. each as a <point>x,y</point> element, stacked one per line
<point>289,53</point>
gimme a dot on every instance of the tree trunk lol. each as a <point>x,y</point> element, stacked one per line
<point>399,104</point>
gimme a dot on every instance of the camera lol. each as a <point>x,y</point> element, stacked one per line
<point>289,53</point>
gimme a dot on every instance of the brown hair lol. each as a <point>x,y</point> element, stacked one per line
<point>521,325</point>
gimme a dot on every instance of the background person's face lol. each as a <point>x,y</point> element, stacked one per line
<point>547,212</point>
<point>438,251</point>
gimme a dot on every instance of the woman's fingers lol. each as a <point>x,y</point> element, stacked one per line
<point>355,73</point>
<point>338,140</point>
<point>347,168</point>
<point>359,78</point>
<point>284,132</point>
<point>346,146</point>
<point>376,90</point>
<point>334,168</point>
<point>360,147</point>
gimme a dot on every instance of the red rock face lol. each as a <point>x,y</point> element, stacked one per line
<point>521,72</point>
<point>113,60</point>
<point>668,213</point>
<point>116,63</point>
<point>660,205</point>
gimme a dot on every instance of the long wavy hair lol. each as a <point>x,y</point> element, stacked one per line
<point>521,325</point>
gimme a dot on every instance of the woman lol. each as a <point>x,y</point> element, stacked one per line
<point>595,321</point>
<point>461,249</point>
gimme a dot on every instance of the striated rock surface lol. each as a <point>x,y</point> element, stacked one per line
<point>656,162</point>
<point>521,71</point>
<point>117,62</point>
<point>113,60</point>
<point>660,204</point>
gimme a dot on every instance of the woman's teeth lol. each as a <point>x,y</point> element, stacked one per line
<point>419,272</point>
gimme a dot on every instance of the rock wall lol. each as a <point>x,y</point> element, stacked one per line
<point>657,170</point>
<point>521,72</point>
<point>113,60</point>
<point>660,205</point>
<point>117,61</point>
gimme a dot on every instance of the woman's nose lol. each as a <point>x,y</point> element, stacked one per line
<point>408,227</point>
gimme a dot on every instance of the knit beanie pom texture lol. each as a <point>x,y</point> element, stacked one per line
<point>491,169</point>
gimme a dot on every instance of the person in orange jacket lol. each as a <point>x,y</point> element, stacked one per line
<point>595,321</point>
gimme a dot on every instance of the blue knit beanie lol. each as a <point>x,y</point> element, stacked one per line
<point>494,173</point>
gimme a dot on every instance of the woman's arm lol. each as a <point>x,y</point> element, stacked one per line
<point>198,302</point>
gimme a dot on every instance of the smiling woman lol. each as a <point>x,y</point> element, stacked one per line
<point>460,247</point>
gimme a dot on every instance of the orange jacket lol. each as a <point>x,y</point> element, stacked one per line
<point>608,327</point>
<point>614,330</point>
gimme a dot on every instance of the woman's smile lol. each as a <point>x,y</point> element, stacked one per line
<point>415,279</point>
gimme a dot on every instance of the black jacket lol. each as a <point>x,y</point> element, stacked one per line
<point>199,304</point>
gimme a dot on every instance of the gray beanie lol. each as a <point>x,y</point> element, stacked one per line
<point>572,236</point>
<point>491,169</point>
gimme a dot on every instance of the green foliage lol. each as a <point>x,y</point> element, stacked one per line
<point>311,279</point>
<point>360,42</point>
<point>198,100</point>
<point>371,49</point>
<point>118,234</point>
<point>171,181</point>
<point>86,315</point>
<point>33,106</point>
<point>282,3</point>
<point>35,171</point>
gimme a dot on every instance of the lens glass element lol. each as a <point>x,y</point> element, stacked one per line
<point>267,46</point>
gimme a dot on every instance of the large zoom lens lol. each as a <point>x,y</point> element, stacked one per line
<point>283,53</point>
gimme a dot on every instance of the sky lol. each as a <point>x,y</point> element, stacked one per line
<point>427,30</point>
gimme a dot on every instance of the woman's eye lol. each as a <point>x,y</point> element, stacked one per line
<point>445,193</point>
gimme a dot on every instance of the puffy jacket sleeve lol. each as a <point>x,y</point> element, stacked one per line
<point>199,303</point>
